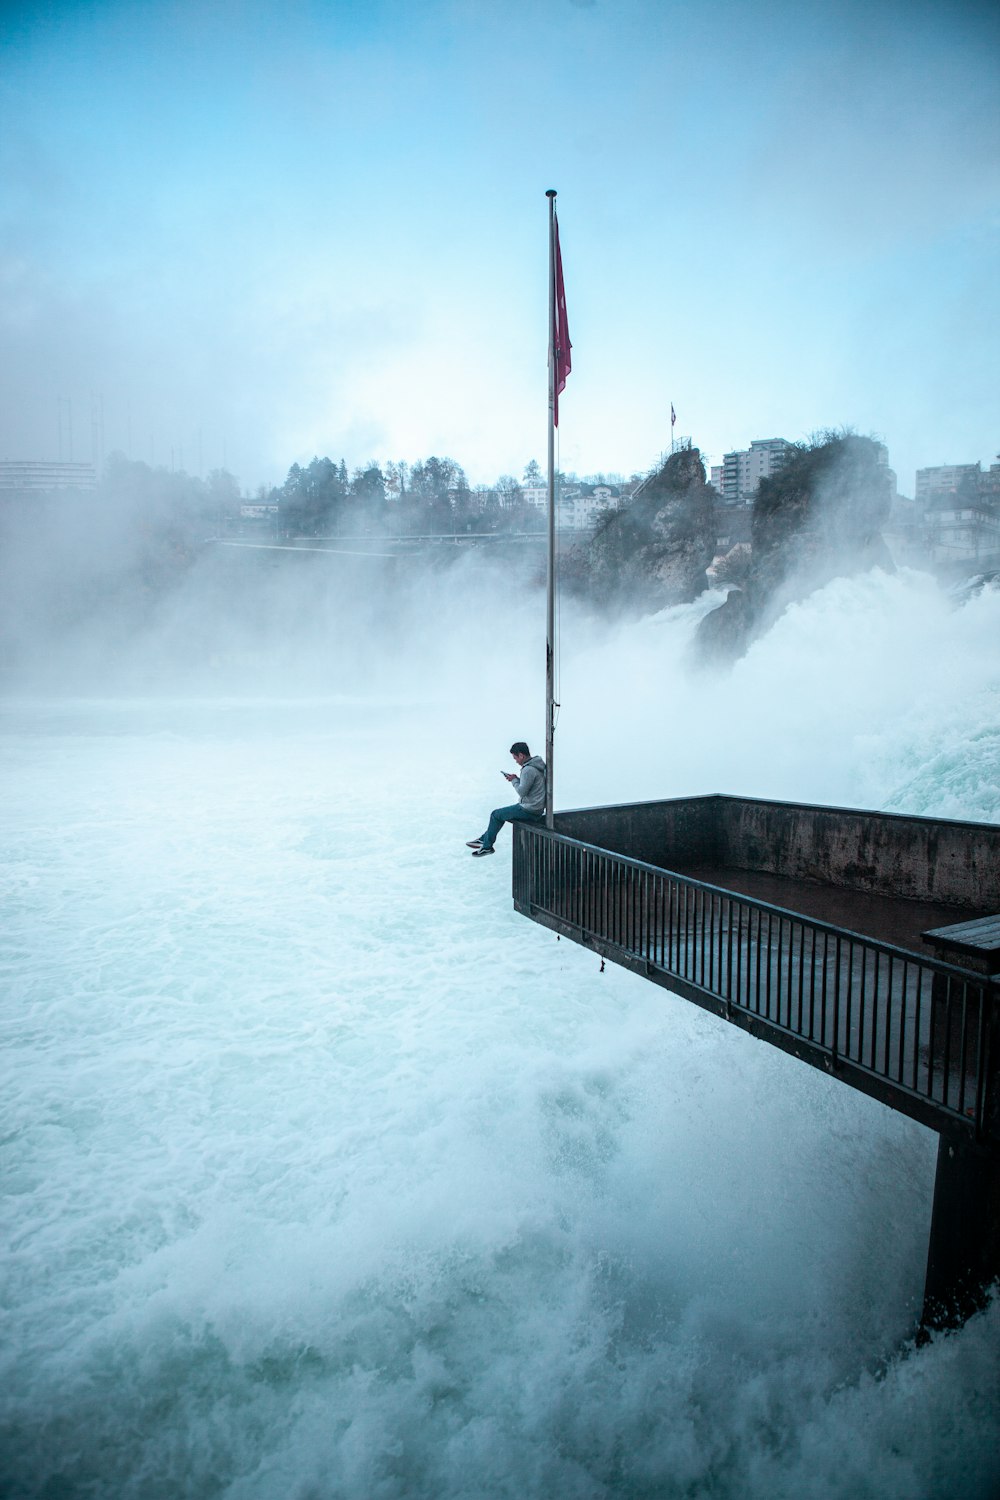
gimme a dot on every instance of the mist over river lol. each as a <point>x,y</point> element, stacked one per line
<point>326,1175</point>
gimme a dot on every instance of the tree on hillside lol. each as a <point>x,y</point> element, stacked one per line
<point>510,493</point>
<point>431,483</point>
<point>396,475</point>
<point>465,511</point>
<point>312,499</point>
<point>223,492</point>
<point>367,494</point>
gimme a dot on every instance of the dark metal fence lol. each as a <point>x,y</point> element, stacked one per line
<point>912,1031</point>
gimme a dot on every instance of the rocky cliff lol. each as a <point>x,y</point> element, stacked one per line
<point>819,518</point>
<point>654,550</point>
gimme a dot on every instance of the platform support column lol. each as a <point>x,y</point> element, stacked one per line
<point>963,1257</point>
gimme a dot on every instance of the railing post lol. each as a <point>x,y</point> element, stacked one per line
<point>963,1257</point>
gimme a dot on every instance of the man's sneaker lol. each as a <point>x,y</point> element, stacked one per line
<point>483,849</point>
<point>473,843</point>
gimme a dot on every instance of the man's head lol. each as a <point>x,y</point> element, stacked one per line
<point>520,752</point>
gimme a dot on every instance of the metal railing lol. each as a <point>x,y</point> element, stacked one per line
<point>912,1031</point>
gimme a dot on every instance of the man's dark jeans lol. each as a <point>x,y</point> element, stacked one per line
<point>514,814</point>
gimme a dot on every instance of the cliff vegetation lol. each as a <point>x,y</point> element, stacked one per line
<point>653,550</point>
<point>819,518</point>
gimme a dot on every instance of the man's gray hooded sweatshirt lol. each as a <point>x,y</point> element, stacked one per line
<point>531,785</point>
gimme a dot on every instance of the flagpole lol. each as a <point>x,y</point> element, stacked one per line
<point>550,578</point>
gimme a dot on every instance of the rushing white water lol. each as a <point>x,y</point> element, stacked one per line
<point>326,1175</point>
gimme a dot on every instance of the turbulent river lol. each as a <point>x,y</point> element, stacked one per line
<point>326,1175</point>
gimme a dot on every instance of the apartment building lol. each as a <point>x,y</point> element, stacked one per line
<point>947,479</point>
<point>742,471</point>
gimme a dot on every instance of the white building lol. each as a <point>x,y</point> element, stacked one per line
<point>575,511</point>
<point>963,533</point>
<point>579,512</point>
<point>45,477</point>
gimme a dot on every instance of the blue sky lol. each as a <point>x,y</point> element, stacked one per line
<point>247,232</point>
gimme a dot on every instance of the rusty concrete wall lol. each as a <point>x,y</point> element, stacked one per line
<point>669,835</point>
<point>921,859</point>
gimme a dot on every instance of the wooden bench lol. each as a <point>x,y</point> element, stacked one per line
<point>970,945</point>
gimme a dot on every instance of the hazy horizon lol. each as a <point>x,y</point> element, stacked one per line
<point>240,235</point>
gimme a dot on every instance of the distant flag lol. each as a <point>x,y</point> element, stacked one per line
<point>673,415</point>
<point>561,345</point>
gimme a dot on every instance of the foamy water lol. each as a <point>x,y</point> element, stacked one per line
<point>326,1175</point>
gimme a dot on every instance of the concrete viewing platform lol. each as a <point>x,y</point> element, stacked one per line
<point>866,944</point>
<point>888,919</point>
<point>888,876</point>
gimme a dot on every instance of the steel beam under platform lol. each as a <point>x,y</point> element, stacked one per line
<point>866,1002</point>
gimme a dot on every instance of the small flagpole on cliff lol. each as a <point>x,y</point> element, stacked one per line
<point>550,576</point>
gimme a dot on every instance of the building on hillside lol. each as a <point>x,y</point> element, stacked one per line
<point>959,507</point>
<point>742,471</point>
<point>962,531</point>
<point>578,507</point>
<point>947,479</point>
<point>43,478</point>
<point>967,481</point>
<point>604,497</point>
<point>578,510</point>
<point>989,484</point>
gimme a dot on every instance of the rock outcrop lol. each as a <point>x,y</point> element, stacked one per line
<point>819,518</point>
<point>654,551</point>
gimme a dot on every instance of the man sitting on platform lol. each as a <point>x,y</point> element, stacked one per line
<point>530,788</point>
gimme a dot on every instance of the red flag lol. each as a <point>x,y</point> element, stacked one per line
<point>561,345</point>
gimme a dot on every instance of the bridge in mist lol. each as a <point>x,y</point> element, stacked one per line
<point>864,944</point>
<point>373,544</point>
